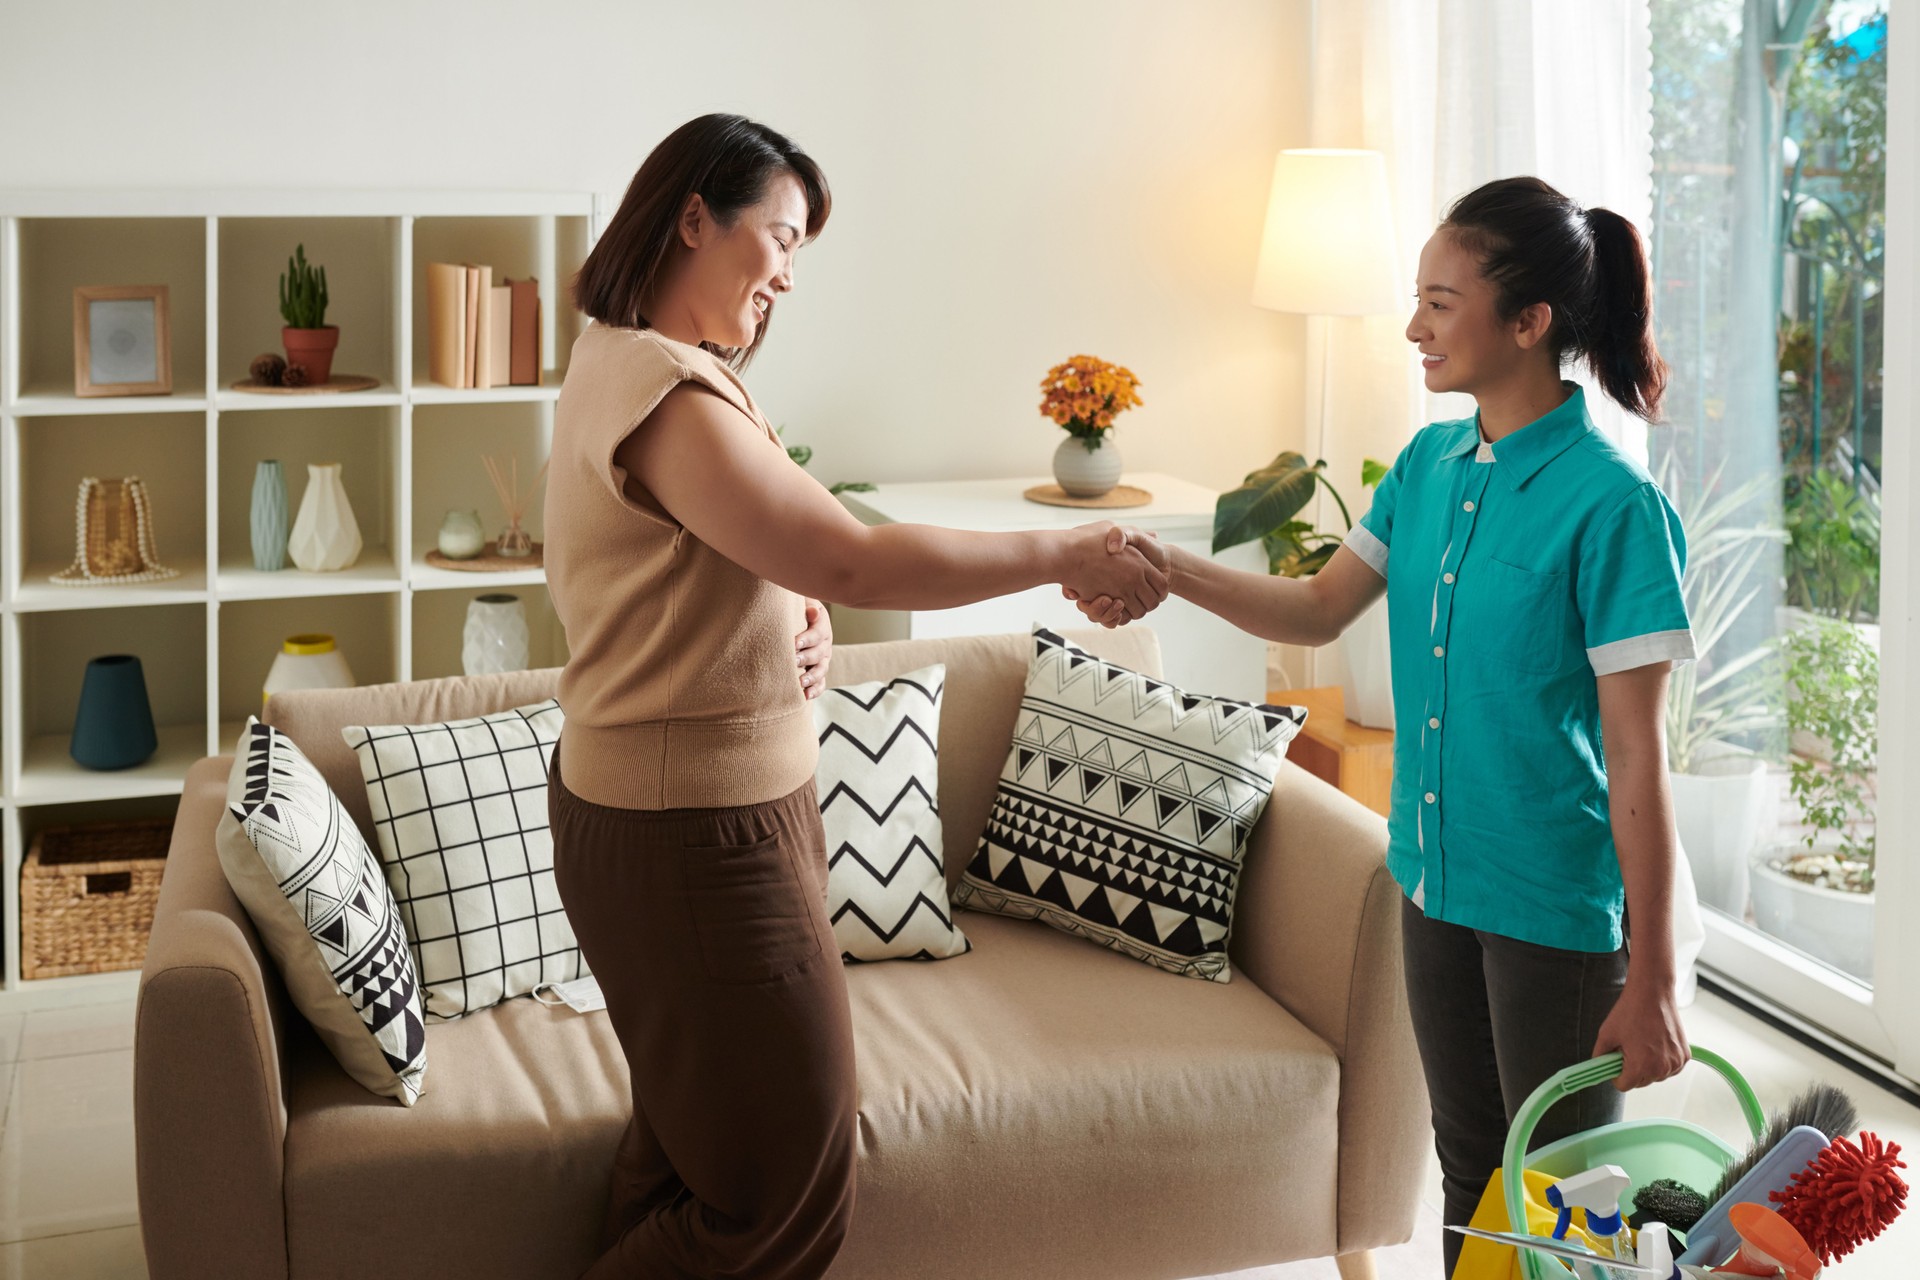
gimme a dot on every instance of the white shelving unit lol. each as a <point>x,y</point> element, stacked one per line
<point>411,450</point>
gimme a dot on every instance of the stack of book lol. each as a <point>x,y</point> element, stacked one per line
<point>480,334</point>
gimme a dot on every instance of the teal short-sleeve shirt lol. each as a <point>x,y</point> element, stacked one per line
<point>1517,573</point>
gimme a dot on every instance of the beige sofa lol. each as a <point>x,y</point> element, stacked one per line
<point>1037,1108</point>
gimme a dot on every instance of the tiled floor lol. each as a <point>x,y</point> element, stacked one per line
<point>67,1205</point>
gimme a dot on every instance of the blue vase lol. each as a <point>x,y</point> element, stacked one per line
<point>268,520</point>
<point>113,729</point>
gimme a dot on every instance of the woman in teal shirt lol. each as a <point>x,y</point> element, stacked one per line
<point>1532,573</point>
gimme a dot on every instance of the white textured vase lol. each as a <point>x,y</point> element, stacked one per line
<point>325,538</point>
<point>1083,474</point>
<point>495,639</point>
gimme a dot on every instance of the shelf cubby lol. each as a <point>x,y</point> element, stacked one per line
<point>362,258</point>
<point>57,255</point>
<point>439,626</point>
<point>366,628</point>
<point>449,441</point>
<point>549,249</point>
<point>167,451</point>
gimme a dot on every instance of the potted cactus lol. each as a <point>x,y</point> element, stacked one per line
<point>303,305</point>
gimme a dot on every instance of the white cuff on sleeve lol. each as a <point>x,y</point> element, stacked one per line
<point>1639,651</point>
<point>1361,542</point>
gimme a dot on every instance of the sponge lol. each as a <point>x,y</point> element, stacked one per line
<point>1664,1200</point>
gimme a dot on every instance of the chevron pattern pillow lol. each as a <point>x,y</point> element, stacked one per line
<point>878,783</point>
<point>1124,808</point>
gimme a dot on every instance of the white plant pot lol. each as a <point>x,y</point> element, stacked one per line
<point>495,638</point>
<point>1369,684</point>
<point>1828,924</point>
<point>1083,474</point>
<point>307,662</point>
<point>1718,810</point>
<point>325,538</point>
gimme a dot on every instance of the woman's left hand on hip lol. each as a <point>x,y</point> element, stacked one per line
<point>814,650</point>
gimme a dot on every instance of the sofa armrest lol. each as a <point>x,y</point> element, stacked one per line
<point>1317,927</point>
<point>209,1096</point>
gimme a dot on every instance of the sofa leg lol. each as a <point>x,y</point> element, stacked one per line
<point>1356,1266</point>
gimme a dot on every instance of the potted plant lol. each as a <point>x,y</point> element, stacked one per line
<point>1084,395</point>
<point>1817,893</point>
<point>1265,506</point>
<point>309,340</point>
<point>1720,704</point>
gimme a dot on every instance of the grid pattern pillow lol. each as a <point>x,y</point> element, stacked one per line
<point>315,894</point>
<point>1124,808</point>
<point>878,782</point>
<point>460,810</point>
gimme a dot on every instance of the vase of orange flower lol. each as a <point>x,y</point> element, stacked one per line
<point>1083,396</point>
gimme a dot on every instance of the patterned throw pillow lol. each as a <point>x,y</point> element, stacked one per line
<point>460,810</point>
<point>315,893</point>
<point>1124,808</point>
<point>878,783</point>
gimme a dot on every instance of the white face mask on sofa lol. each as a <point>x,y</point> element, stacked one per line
<point>582,995</point>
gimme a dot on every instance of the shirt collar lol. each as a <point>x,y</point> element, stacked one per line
<point>1522,454</point>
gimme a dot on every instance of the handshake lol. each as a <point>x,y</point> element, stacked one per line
<point>1117,574</point>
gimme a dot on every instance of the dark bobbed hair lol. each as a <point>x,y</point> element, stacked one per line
<point>1588,265</point>
<point>726,160</point>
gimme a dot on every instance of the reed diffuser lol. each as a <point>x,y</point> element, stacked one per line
<point>505,474</point>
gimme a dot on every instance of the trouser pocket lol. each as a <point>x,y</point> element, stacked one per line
<point>751,910</point>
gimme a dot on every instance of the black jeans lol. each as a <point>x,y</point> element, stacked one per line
<point>1494,1017</point>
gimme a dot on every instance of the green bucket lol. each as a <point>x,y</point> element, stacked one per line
<point>1646,1149</point>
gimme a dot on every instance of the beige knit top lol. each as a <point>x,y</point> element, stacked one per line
<point>682,690</point>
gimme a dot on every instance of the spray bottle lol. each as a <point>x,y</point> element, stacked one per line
<point>1598,1191</point>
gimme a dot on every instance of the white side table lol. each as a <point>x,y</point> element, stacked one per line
<point>1200,652</point>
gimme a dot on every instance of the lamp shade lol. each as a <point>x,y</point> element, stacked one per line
<point>1328,248</point>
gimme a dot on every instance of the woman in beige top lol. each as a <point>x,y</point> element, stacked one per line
<point>688,558</point>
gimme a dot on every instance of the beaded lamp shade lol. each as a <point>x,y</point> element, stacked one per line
<point>113,536</point>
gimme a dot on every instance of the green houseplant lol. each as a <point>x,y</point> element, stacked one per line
<point>308,338</point>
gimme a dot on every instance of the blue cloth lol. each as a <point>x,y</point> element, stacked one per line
<point>1517,573</point>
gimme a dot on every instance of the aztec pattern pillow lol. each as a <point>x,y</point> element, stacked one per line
<point>460,810</point>
<point>1124,807</point>
<point>878,783</point>
<point>315,893</point>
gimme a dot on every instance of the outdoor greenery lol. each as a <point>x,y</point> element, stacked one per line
<point>1266,505</point>
<point>1835,676</point>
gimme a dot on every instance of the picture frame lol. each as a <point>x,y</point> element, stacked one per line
<point>121,341</point>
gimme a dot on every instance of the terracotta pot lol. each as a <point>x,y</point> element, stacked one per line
<point>312,349</point>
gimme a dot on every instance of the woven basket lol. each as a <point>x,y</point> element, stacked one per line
<point>87,895</point>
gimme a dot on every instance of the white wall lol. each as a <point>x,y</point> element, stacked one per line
<point>1014,182</point>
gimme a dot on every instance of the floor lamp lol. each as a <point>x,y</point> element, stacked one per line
<point>1328,250</point>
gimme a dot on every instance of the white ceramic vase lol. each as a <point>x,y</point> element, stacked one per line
<point>1083,474</point>
<point>325,538</point>
<point>495,639</point>
<point>1718,811</point>
<point>307,662</point>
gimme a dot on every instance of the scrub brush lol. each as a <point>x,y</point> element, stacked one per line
<point>1847,1196</point>
<point>1664,1200</point>
<point>1819,1106</point>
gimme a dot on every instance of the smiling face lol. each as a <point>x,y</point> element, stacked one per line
<point>1464,344</point>
<point>732,274</point>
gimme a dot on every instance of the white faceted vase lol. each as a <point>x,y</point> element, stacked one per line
<point>495,639</point>
<point>1083,474</point>
<point>325,538</point>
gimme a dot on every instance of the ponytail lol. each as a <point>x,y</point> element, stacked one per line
<point>1588,265</point>
<point>1619,348</point>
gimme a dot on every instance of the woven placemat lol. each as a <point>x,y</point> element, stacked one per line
<point>337,383</point>
<point>490,560</point>
<point>1120,496</point>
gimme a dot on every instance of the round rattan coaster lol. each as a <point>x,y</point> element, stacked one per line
<point>337,383</point>
<point>1117,498</point>
<point>490,560</point>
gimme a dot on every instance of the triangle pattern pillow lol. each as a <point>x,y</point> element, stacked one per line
<point>316,895</point>
<point>1124,808</point>
<point>879,784</point>
<point>460,811</point>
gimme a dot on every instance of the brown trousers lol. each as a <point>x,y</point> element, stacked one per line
<point>708,931</point>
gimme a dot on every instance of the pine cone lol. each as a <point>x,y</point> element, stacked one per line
<point>294,375</point>
<point>266,369</point>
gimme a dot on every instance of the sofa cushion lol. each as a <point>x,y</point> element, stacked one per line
<point>878,783</point>
<point>460,811</point>
<point>1052,1089</point>
<point>1124,809</point>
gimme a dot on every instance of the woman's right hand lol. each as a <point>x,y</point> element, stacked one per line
<point>1118,574</point>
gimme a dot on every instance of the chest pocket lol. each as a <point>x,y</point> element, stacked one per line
<point>1518,618</point>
